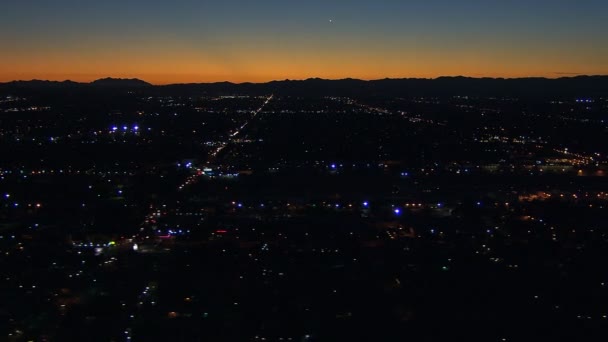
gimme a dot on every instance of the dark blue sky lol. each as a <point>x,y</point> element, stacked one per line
<point>259,40</point>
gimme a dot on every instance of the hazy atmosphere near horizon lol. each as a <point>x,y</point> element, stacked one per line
<point>237,40</point>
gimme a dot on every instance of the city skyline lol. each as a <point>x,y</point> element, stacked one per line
<point>236,41</point>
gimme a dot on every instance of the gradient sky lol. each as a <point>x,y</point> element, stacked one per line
<point>261,40</point>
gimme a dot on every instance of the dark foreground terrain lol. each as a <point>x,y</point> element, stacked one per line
<point>308,211</point>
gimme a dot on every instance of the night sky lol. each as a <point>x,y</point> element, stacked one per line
<point>204,41</point>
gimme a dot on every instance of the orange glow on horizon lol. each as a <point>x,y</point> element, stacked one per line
<point>165,79</point>
<point>241,41</point>
<point>263,65</point>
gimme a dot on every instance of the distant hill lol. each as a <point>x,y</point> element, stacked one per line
<point>40,83</point>
<point>442,86</point>
<point>579,86</point>
<point>120,82</point>
<point>104,82</point>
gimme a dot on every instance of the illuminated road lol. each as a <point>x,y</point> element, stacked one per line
<point>255,114</point>
<point>405,115</point>
<point>192,179</point>
<point>236,133</point>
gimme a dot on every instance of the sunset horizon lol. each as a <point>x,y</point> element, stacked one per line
<point>238,41</point>
<point>307,78</point>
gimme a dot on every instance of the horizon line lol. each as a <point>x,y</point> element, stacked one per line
<point>557,77</point>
